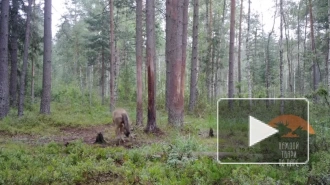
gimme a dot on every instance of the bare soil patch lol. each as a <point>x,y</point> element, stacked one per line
<point>66,135</point>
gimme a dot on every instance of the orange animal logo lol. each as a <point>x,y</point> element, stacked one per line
<point>291,126</point>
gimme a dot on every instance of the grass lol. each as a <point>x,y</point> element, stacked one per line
<point>165,160</point>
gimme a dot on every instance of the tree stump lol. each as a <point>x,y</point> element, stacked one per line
<point>100,139</point>
<point>211,134</point>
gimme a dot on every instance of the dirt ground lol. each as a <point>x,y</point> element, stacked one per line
<point>87,135</point>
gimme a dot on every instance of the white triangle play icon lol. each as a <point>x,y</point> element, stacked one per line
<point>259,131</point>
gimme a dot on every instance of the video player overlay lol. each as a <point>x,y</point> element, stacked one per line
<point>263,131</point>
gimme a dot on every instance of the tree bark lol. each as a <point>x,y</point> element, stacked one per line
<point>138,48</point>
<point>194,59</point>
<point>33,57</point>
<point>151,53</point>
<point>298,75</point>
<point>89,82</point>
<point>305,50</point>
<point>315,64</point>
<point>4,86</point>
<point>116,72</point>
<point>32,79</point>
<point>112,59</point>
<point>47,65</point>
<point>211,54</point>
<point>103,77</point>
<point>209,50</point>
<point>328,63</point>
<point>184,45</point>
<point>288,53</point>
<point>239,50</point>
<point>248,53</point>
<point>231,54</point>
<point>222,44</point>
<point>175,107</point>
<point>25,60</point>
<point>281,55</point>
<point>13,54</point>
<point>268,58</point>
<point>168,50</point>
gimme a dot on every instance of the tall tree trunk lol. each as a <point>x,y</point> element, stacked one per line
<point>25,60</point>
<point>194,59</point>
<point>328,64</point>
<point>248,53</point>
<point>151,53</point>
<point>47,65</point>
<point>315,64</point>
<point>168,50</point>
<point>116,72</point>
<point>76,45</point>
<point>209,49</point>
<point>281,55</point>
<point>4,86</point>
<point>103,77</point>
<point>305,49</point>
<point>138,48</point>
<point>13,54</point>
<point>211,54</point>
<point>175,107</point>
<point>89,82</point>
<point>239,50</point>
<point>298,75</point>
<point>288,53</point>
<point>222,45</point>
<point>231,54</point>
<point>33,57</point>
<point>268,58</point>
<point>32,79</point>
<point>184,45</point>
<point>255,51</point>
<point>213,72</point>
<point>112,59</point>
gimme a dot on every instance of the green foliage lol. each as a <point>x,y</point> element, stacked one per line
<point>63,115</point>
<point>321,140</point>
<point>171,161</point>
<point>320,163</point>
<point>260,92</point>
<point>322,92</point>
<point>202,107</point>
<point>250,175</point>
<point>180,151</point>
<point>127,84</point>
<point>52,163</point>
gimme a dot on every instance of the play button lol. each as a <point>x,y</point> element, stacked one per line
<point>259,131</point>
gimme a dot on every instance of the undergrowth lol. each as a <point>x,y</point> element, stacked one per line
<point>170,161</point>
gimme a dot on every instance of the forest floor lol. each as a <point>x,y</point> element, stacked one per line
<point>88,134</point>
<point>66,135</point>
<point>60,149</point>
<point>71,123</point>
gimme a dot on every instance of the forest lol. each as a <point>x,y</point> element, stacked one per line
<point>184,76</point>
